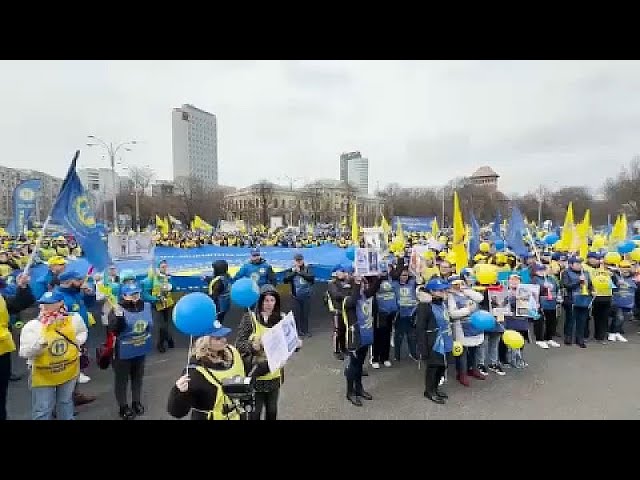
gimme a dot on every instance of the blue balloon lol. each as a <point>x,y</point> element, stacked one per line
<point>245,292</point>
<point>499,244</point>
<point>482,320</point>
<point>551,239</point>
<point>626,247</point>
<point>351,253</point>
<point>194,314</point>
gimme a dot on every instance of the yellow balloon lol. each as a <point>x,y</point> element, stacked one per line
<point>451,258</point>
<point>457,349</point>
<point>485,247</point>
<point>635,255</point>
<point>612,258</point>
<point>486,274</point>
<point>513,339</point>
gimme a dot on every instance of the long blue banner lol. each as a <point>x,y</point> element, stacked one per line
<point>189,265</point>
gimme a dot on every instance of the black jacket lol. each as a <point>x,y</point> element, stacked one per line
<point>337,291</point>
<point>350,305</point>
<point>426,333</point>
<point>305,273</point>
<point>201,394</point>
<point>22,300</point>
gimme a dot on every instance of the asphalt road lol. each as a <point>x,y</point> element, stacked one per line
<point>600,382</point>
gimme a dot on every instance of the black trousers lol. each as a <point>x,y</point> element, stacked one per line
<point>550,322</point>
<point>353,372</point>
<point>162,320</point>
<point>301,310</point>
<point>267,401</point>
<point>382,337</point>
<point>125,370</point>
<point>600,312</point>
<point>432,376</point>
<point>339,335</point>
<point>5,373</point>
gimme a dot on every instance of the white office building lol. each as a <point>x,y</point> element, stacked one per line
<point>195,145</point>
<point>354,170</point>
<point>99,182</point>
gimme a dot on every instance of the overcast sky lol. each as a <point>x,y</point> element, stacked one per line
<point>418,122</point>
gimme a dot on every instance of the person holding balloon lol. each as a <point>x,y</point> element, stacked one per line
<point>434,337</point>
<point>462,301</point>
<point>130,325</point>
<point>252,326</point>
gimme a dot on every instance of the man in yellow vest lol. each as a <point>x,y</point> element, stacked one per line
<point>51,344</point>
<point>603,280</point>
<point>10,305</point>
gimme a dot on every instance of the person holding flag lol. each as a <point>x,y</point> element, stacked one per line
<point>50,280</point>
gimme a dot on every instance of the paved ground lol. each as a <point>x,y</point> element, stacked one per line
<point>600,382</point>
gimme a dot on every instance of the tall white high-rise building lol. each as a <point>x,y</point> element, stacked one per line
<point>354,169</point>
<point>195,144</point>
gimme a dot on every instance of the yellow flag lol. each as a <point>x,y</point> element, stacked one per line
<point>459,236</point>
<point>435,228</point>
<point>399,232</point>
<point>355,232</point>
<point>566,239</point>
<point>385,225</point>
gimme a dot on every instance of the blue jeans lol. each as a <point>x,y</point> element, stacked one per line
<point>489,349</point>
<point>404,327</point>
<point>618,317</point>
<point>45,399</point>
<point>575,317</point>
<point>301,307</point>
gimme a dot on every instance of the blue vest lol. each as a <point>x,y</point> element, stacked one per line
<point>577,297</point>
<point>406,294</point>
<point>302,287</point>
<point>444,340</point>
<point>386,298</point>
<point>135,340</point>
<point>624,296</point>
<point>462,301</point>
<point>364,315</point>
<point>552,285</point>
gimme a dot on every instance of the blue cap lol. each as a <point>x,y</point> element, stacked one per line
<point>51,297</point>
<point>130,289</point>
<point>218,330</point>
<point>527,255</point>
<point>436,283</point>
<point>71,275</point>
<point>255,251</point>
<point>575,260</point>
<point>538,267</point>
<point>595,255</point>
<point>343,268</point>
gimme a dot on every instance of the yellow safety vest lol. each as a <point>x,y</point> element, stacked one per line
<point>6,339</point>
<point>47,253</point>
<point>428,273</point>
<point>158,282</point>
<point>60,362</point>
<point>212,283</point>
<point>601,281</point>
<point>216,377</point>
<point>76,252</point>
<point>63,251</point>
<point>258,330</point>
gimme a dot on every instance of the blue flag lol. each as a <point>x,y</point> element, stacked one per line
<point>497,233</point>
<point>73,210</point>
<point>474,241</point>
<point>514,233</point>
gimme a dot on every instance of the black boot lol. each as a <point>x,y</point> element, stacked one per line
<point>126,413</point>
<point>161,348</point>
<point>138,408</point>
<point>351,394</point>
<point>170,343</point>
<point>360,392</point>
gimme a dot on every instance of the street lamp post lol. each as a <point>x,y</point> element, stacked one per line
<point>112,151</point>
